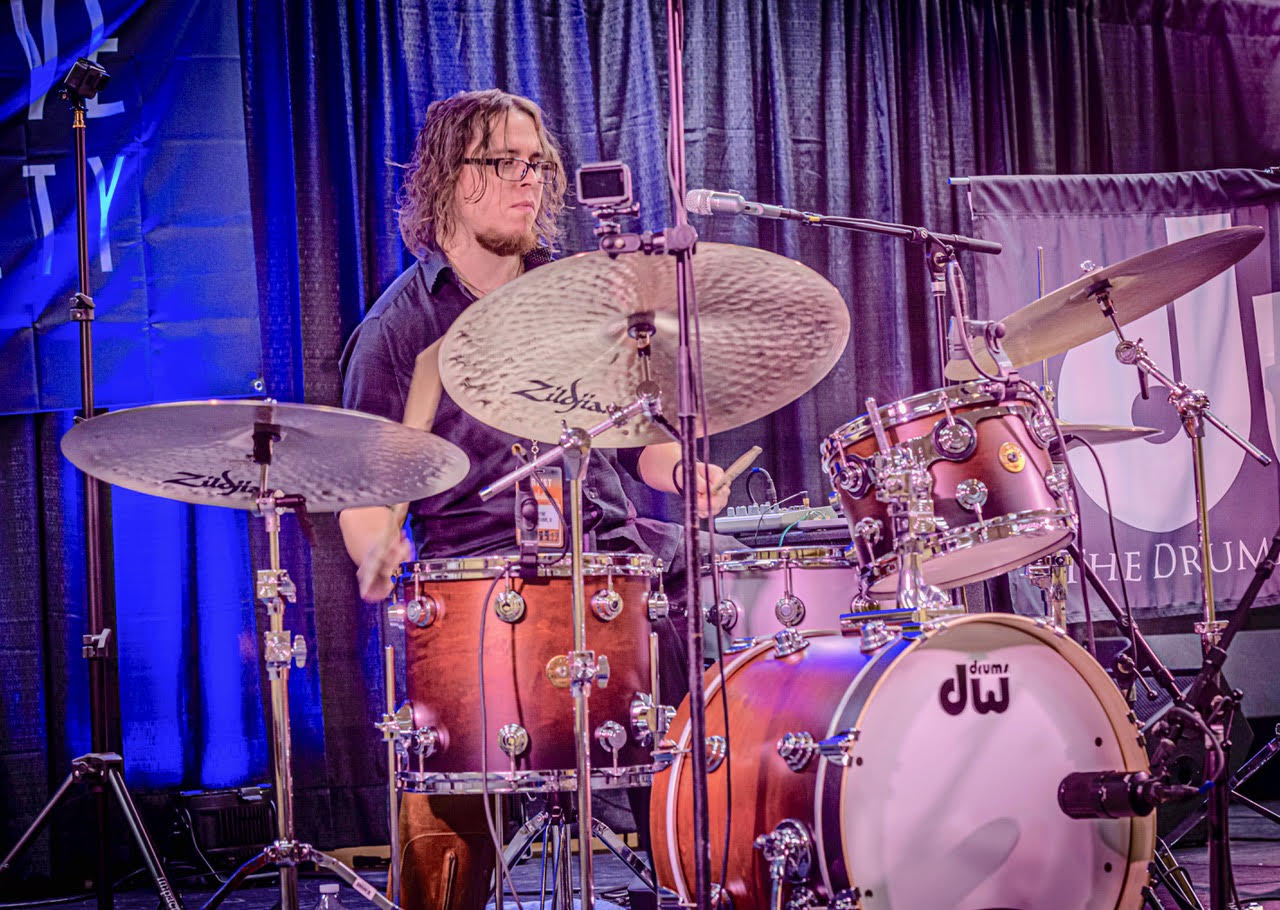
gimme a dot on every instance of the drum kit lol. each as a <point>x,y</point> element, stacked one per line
<point>869,743</point>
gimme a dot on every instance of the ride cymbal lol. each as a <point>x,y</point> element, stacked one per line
<point>554,345</point>
<point>201,452</point>
<point>1070,316</point>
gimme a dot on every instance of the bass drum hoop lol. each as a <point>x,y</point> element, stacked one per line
<point>867,684</point>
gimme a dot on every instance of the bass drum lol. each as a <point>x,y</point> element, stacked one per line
<point>937,787</point>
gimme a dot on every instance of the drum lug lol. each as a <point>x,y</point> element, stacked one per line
<point>802,898</point>
<point>875,633</point>
<point>1058,481</point>
<point>658,605</point>
<point>509,606</point>
<point>513,739</point>
<point>838,749</point>
<point>423,611</point>
<point>422,742</point>
<point>717,747</point>
<point>955,438</point>
<point>725,614</point>
<point>788,850</point>
<point>787,642</point>
<point>720,898</point>
<point>606,603</point>
<point>611,736</point>
<point>846,899</point>
<point>648,719</point>
<point>1043,430</point>
<point>796,749</point>
<point>789,610</point>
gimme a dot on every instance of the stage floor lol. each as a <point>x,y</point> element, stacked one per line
<point>1255,852</point>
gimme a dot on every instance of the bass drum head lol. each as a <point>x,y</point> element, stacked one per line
<point>950,795</point>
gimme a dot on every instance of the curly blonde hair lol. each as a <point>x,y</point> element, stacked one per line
<point>431,176</point>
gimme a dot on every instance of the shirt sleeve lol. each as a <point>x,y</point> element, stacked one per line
<point>371,378</point>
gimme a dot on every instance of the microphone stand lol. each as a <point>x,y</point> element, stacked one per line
<point>102,768</point>
<point>945,248</point>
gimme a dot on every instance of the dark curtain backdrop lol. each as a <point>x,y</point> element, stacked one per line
<point>862,107</point>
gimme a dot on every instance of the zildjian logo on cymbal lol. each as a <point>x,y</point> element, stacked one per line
<point>221,483</point>
<point>568,399</point>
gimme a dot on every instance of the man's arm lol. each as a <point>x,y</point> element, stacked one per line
<point>373,535</point>
<point>657,465</point>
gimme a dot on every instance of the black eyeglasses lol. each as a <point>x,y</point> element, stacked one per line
<point>514,169</point>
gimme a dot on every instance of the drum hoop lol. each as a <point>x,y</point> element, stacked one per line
<point>772,557</point>
<point>1027,523</point>
<point>548,781</point>
<point>926,404</point>
<point>1142,829</point>
<point>550,565</point>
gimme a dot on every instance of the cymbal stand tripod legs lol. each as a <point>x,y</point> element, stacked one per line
<point>275,589</point>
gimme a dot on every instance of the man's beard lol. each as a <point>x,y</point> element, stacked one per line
<point>501,244</point>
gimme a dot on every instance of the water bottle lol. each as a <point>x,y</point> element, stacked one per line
<point>329,897</point>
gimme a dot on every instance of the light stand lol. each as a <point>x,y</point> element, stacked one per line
<point>103,768</point>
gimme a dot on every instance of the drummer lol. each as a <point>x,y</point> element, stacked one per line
<point>479,206</point>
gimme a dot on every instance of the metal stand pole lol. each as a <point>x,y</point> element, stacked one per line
<point>583,668</point>
<point>275,589</point>
<point>101,768</point>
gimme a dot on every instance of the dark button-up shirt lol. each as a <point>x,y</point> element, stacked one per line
<point>377,367</point>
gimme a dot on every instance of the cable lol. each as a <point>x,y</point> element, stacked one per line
<point>484,744</point>
<point>1115,547</point>
<point>772,492</point>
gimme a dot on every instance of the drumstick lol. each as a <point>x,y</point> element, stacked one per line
<point>734,470</point>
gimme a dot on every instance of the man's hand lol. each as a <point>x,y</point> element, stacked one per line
<point>659,467</point>
<point>380,563</point>
<point>719,499</point>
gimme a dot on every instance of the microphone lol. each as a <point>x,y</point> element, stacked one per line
<point>713,202</point>
<point>1116,794</point>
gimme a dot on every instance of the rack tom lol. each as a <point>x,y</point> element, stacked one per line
<point>998,502</point>
<point>515,733</point>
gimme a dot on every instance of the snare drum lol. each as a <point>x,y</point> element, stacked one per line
<point>998,501</point>
<point>764,590</point>
<point>913,772</point>
<point>528,709</point>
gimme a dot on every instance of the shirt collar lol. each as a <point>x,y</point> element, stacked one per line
<point>435,264</point>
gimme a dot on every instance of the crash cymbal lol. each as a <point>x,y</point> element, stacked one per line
<point>202,452</point>
<point>553,344</point>
<point>1070,316</point>
<point>1098,434</point>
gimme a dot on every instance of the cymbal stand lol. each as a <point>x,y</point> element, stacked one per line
<point>1208,694</point>
<point>103,768</point>
<point>585,668</point>
<point>275,589</point>
<point>1192,406</point>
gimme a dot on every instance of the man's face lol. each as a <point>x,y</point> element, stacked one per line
<point>501,218</point>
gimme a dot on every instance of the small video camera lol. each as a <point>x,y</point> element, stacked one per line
<point>604,185</point>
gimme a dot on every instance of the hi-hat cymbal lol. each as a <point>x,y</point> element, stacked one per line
<point>553,344</point>
<point>202,452</point>
<point>1070,316</point>
<point>1097,434</point>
